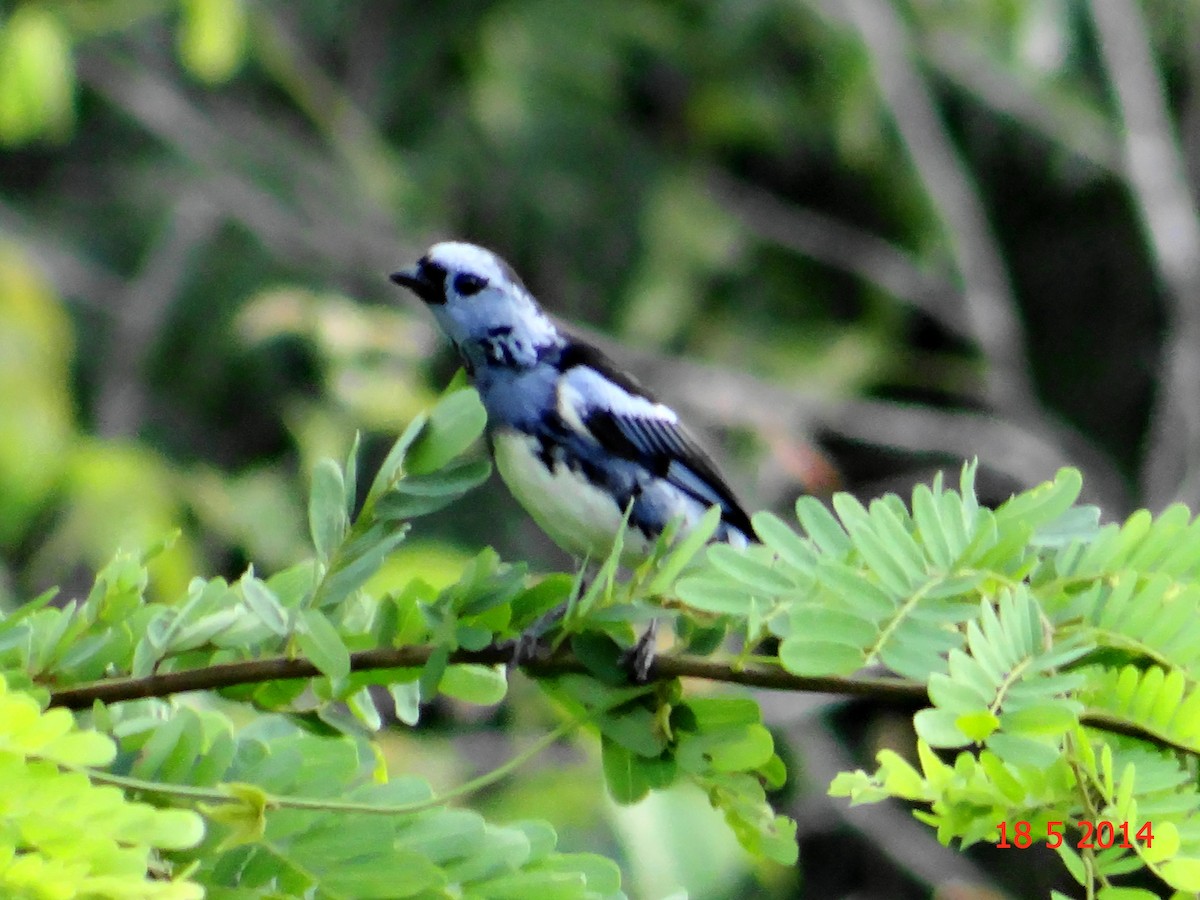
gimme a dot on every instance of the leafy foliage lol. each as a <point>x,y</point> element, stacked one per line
<point>351,833</point>
<point>61,835</point>
<point>300,812</point>
<point>1036,633</point>
<point>1055,653</point>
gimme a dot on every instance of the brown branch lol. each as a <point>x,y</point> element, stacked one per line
<point>254,671</point>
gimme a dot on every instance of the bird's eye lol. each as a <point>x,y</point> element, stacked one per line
<point>466,284</point>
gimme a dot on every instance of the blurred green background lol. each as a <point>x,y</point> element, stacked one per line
<point>852,240</point>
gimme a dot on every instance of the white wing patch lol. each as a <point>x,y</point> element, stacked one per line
<point>583,388</point>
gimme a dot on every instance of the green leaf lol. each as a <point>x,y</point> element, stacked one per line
<point>634,727</point>
<point>454,424</point>
<point>824,530</point>
<point>854,590</point>
<point>684,551</point>
<point>1042,504</point>
<point>728,749</point>
<point>939,728</point>
<point>543,885</point>
<point>622,773</point>
<point>406,696</point>
<point>1079,523</point>
<point>977,725</point>
<point>350,476</point>
<point>533,602</point>
<point>322,645</point>
<point>602,656</point>
<point>1040,720</point>
<point>1073,862</point>
<point>1022,751</point>
<point>441,835</point>
<point>714,594</point>
<point>1125,893</point>
<point>890,521</point>
<point>504,849</point>
<point>261,601</point>
<point>150,649</point>
<point>824,623</point>
<point>815,657</point>
<point>779,536</point>
<point>721,712</point>
<point>400,507</point>
<point>37,76</point>
<point>181,761</point>
<point>390,468</point>
<point>1181,874</point>
<point>212,37</point>
<point>1164,844</point>
<point>327,520</point>
<point>353,572</point>
<point>756,576</point>
<point>160,745</point>
<point>433,671</point>
<point>174,829</point>
<point>603,876</point>
<point>481,685</point>
<point>932,529</point>
<point>419,495</point>
<point>214,762</point>
<point>884,559</point>
<point>362,705</point>
<point>453,480</point>
<point>958,694</point>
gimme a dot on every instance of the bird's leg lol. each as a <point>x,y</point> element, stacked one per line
<point>529,645</point>
<point>638,659</point>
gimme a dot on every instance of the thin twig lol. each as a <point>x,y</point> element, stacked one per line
<point>300,224</point>
<point>70,270</point>
<point>835,243</point>
<point>139,313</point>
<point>990,306</point>
<point>224,793</point>
<point>1067,122</point>
<point>1157,178</point>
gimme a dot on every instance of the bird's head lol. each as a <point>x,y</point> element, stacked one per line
<point>480,303</point>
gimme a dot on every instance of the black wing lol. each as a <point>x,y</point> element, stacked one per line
<point>634,430</point>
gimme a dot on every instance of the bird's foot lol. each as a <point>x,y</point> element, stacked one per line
<point>530,645</point>
<point>525,649</point>
<point>639,658</point>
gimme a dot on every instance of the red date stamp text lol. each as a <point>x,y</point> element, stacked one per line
<point>1092,835</point>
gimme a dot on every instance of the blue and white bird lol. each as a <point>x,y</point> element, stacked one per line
<point>577,441</point>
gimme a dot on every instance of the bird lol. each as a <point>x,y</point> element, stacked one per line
<point>580,444</point>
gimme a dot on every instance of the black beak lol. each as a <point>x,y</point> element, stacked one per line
<point>424,280</point>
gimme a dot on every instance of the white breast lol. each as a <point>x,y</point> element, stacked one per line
<point>579,517</point>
